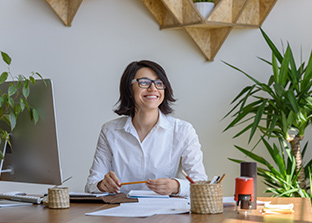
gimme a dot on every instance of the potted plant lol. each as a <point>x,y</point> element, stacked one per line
<point>14,101</point>
<point>204,7</point>
<point>280,108</point>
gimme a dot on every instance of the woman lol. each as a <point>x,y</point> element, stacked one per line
<point>145,143</point>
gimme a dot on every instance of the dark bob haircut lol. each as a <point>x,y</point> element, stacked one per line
<point>126,100</point>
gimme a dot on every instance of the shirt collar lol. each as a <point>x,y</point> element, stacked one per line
<point>162,122</point>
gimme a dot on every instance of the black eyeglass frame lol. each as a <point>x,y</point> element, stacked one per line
<point>152,81</point>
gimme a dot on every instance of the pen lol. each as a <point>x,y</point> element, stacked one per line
<point>136,182</point>
<point>214,180</point>
<point>221,178</point>
<point>187,177</point>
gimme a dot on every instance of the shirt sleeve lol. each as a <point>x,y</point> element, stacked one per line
<point>191,160</point>
<point>102,164</point>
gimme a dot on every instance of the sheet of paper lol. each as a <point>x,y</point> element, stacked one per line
<point>162,201</point>
<point>145,194</point>
<point>147,207</point>
<point>169,206</point>
<point>82,194</point>
<point>169,203</point>
<point>134,210</point>
<point>9,203</point>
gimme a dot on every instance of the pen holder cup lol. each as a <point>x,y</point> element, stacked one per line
<point>58,197</point>
<point>206,198</point>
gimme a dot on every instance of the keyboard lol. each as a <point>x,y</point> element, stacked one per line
<point>23,198</point>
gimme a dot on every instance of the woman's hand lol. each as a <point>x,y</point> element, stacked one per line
<point>164,186</point>
<point>110,183</point>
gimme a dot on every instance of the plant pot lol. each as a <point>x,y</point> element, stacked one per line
<point>204,8</point>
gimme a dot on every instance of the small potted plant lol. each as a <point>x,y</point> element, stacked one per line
<point>14,101</point>
<point>204,7</point>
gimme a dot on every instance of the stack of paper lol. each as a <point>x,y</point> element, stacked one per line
<point>152,204</point>
<point>82,194</point>
<point>278,209</point>
<point>145,194</point>
<point>9,203</point>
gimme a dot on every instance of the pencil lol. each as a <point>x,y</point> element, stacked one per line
<point>221,178</point>
<point>187,177</point>
<point>136,182</point>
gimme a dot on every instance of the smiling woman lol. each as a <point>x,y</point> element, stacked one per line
<point>146,144</point>
<point>134,71</point>
<point>148,92</point>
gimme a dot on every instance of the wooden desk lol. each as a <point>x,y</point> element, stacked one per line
<point>75,214</point>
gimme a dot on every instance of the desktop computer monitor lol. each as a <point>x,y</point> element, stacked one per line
<point>34,155</point>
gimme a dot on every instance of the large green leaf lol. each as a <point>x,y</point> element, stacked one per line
<point>308,74</point>
<point>3,77</point>
<point>35,115</point>
<point>26,89</point>
<point>272,46</point>
<point>275,69</point>
<point>12,120</point>
<point>293,72</point>
<point>6,58</point>
<point>242,114</point>
<point>240,102</point>
<point>284,125</point>
<point>293,102</point>
<point>273,124</point>
<point>304,149</point>
<point>244,130</point>
<point>10,101</point>
<point>246,89</point>
<point>22,104</point>
<point>284,68</point>
<point>279,90</point>
<point>274,152</point>
<point>32,80</point>
<point>12,89</point>
<point>257,120</point>
<point>291,119</point>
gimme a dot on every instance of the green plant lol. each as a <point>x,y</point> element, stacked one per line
<point>282,107</point>
<point>203,0</point>
<point>14,101</point>
<point>280,177</point>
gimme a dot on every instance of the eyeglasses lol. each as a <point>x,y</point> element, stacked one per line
<point>146,83</point>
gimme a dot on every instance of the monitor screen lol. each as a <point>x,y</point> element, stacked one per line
<point>34,155</point>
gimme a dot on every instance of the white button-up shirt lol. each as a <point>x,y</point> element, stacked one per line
<point>172,144</point>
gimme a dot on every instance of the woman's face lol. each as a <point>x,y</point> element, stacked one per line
<point>150,98</point>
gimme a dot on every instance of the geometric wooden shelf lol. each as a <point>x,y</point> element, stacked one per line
<point>65,9</point>
<point>209,34</point>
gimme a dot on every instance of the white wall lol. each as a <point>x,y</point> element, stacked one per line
<point>86,61</point>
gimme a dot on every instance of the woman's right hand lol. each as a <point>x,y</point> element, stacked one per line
<point>110,183</point>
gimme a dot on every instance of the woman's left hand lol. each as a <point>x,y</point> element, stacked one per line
<point>164,186</point>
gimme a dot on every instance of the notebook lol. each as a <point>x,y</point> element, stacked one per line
<point>145,194</point>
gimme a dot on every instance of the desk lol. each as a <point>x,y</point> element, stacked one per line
<point>75,214</point>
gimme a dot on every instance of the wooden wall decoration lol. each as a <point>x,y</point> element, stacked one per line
<point>210,33</point>
<point>65,9</point>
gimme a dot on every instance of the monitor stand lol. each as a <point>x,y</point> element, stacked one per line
<point>10,169</point>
